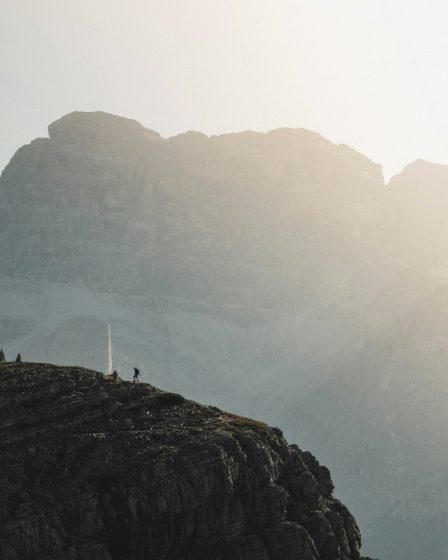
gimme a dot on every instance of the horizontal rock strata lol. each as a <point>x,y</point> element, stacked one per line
<point>93,469</point>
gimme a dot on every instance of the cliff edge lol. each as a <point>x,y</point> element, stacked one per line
<point>99,470</point>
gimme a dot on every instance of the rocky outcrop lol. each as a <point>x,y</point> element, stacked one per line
<point>99,470</point>
<point>104,134</point>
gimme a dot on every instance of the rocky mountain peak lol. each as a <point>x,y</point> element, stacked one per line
<point>101,132</point>
<point>104,470</point>
<point>426,175</point>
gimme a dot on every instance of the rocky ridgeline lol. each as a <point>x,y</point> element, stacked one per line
<point>99,470</point>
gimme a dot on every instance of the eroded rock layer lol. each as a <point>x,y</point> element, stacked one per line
<point>99,470</point>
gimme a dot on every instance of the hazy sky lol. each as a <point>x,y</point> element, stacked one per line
<point>369,73</point>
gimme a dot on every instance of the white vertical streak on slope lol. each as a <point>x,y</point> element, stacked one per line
<point>109,350</point>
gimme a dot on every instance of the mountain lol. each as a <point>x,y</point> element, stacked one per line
<point>274,275</point>
<point>104,470</point>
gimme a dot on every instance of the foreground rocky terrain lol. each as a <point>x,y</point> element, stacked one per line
<point>99,470</point>
<point>274,275</point>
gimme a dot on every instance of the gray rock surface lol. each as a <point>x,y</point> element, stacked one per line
<point>99,470</point>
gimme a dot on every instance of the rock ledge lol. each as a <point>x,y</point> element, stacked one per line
<point>97,470</point>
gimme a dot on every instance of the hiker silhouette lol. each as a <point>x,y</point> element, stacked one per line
<point>136,375</point>
<point>115,375</point>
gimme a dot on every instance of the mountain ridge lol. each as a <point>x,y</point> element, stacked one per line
<point>104,470</point>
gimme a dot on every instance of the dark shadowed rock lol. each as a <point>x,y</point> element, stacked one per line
<point>98,470</point>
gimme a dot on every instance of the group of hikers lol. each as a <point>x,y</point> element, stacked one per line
<point>114,375</point>
<point>18,360</point>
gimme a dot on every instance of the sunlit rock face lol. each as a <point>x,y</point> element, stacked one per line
<point>94,469</point>
<point>272,274</point>
<point>421,190</point>
<point>219,221</point>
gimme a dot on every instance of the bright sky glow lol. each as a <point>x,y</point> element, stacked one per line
<point>368,73</point>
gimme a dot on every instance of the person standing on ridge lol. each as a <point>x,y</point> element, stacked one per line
<point>115,375</point>
<point>136,375</point>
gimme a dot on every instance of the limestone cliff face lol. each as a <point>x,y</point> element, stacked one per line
<point>110,205</point>
<point>97,470</point>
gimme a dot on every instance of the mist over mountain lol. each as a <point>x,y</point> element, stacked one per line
<point>273,274</point>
